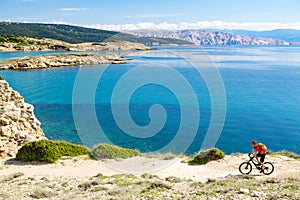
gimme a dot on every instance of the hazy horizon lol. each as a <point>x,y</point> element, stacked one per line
<point>168,15</point>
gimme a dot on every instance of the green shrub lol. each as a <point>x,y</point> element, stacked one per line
<point>1,78</point>
<point>58,47</point>
<point>42,193</point>
<point>49,151</point>
<point>207,155</point>
<point>106,151</point>
<point>11,177</point>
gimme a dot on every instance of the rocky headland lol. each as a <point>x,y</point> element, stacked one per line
<point>18,123</point>
<point>110,45</point>
<point>9,43</point>
<point>59,60</point>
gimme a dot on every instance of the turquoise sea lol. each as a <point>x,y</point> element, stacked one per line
<point>261,88</point>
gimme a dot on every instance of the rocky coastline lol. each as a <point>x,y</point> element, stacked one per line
<point>110,46</point>
<point>27,44</point>
<point>59,60</point>
<point>18,123</point>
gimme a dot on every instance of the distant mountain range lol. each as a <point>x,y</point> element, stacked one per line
<point>224,37</point>
<point>77,34</point>
<point>289,35</point>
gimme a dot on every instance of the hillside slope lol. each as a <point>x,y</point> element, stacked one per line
<point>22,43</point>
<point>76,34</point>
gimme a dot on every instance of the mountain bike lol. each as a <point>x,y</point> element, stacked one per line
<point>246,167</point>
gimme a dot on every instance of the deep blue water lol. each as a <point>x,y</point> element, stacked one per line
<point>262,87</point>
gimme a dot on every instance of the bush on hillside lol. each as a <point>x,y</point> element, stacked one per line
<point>207,155</point>
<point>106,151</point>
<point>285,153</point>
<point>49,151</point>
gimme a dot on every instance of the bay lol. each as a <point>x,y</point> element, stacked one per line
<point>262,87</point>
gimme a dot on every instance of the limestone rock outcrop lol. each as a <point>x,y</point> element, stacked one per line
<point>22,43</point>
<point>18,123</point>
<point>59,60</point>
<point>110,45</point>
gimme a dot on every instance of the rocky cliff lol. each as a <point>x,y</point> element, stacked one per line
<point>201,37</point>
<point>59,60</point>
<point>18,123</point>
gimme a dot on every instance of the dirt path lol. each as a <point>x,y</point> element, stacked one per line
<point>82,168</point>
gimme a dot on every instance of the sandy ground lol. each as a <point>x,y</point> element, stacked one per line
<point>82,168</point>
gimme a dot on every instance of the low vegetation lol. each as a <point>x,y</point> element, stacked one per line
<point>207,155</point>
<point>11,177</point>
<point>107,151</point>
<point>21,42</point>
<point>162,156</point>
<point>1,78</point>
<point>145,186</point>
<point>49,151</point>
<point>13,39</point>
<point>126,186</point>
<point>42,193</point>
<point>285,153</point>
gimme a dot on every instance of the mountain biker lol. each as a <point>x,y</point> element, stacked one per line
<point>259,153</point>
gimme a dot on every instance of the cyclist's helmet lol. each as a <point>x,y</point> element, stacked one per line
<point>253,142</point>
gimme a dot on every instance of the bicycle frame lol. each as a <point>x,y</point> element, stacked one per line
<point>246,167</point>
<point>254,161</point>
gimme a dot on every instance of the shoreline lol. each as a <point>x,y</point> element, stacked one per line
<point>87,54</point>
<point>60,60</point>
<point>12,43</point>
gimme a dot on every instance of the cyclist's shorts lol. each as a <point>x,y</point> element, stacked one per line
<point>262,157</point>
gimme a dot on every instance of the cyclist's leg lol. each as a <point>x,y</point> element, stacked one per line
<point>256,156</point>
<point>262,159</point>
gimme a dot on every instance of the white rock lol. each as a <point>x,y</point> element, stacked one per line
<point>22,134</point>
<point>4,121</point>
<point>4,131</point>
<point>18,124</point>
<point>244,190</point>
<point>258,194</point>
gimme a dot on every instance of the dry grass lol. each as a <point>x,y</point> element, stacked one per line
<point>146,186</point>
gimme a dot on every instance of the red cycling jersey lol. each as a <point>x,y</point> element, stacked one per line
<point>259,149</point>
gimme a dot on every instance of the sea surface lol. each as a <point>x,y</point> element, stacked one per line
<point>171,99</point>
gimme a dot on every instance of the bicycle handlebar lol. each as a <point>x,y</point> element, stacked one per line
<point>251,155</point>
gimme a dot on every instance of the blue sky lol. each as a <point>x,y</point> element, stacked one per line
<point>172,14</point>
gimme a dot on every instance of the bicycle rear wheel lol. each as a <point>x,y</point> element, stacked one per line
<point>245,168</point>
<point>268,168</point>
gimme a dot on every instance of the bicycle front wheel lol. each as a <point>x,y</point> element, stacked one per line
<point>268,168</point>
<point>245,168</point>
